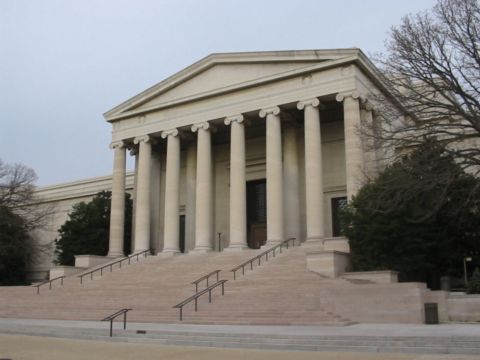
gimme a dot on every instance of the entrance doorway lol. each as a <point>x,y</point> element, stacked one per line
<point>182,233</point>
<point>256,213</point>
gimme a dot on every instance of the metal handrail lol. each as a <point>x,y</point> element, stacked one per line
<point>129,257</point>
<point>196,282</point>
<point>114,315</point>
<point>198,294</point>
<point>49,282</point>
<point>259,257</point>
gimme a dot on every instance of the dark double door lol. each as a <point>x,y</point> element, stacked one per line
<point>256,213</point>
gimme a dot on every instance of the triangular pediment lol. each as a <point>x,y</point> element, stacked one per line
<point>225,72</point>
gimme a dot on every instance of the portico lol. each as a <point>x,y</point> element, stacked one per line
<point>291,118</point>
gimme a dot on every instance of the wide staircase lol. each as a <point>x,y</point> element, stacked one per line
<point>277,292</point>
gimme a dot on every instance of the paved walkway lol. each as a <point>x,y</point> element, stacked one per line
<point>442,330</point>
<point>18,347</point>
<point>31,339</point>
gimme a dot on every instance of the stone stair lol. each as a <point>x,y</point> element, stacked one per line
<point>270,294</point>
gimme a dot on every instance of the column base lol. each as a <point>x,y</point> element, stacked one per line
<point>314,242</point>
<point>274,241</point>
<point>201,250</point>
<point>169,253</point>
<point>236,247</point>
<point>115,254</point>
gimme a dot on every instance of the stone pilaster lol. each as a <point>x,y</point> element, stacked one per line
<point>238,187</point>
<point>203,192</point>
<point>171,234</point>
<point>313,170</point>
<point>275,231</point>
<point>353,142</point>
<point>142,213</point>
<point>117,214</point>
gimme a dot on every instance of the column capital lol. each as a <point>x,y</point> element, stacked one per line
<point>367,105</point>
<point>342,96</point>
<point>171,132</point>
<point>133,150</point>
<point>144,138</point>
<point>310,102</point>
<point>117,144</point>
<point>203,125</point>
<point>275,110</point>
<point>237,118</point>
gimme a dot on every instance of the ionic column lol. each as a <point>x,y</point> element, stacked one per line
<point>203,192</point>
<point>142,216</point>
<point>291,182</point>
<point>353,141</point>
<point>238,186</point>
<point>117,213</point>
<point>313,169</point>
<point>190,173</point>
<point>275,232</point>
<point>171,235</point>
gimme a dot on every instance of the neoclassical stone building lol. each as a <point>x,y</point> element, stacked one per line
<point>242,149</point>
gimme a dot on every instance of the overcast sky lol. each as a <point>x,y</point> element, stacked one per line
<point>64,63</point>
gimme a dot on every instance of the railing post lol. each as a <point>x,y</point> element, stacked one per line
<point>243,270</point>
<point>217,275</point>
<point>125,320</point>
<point>251,265</point>
<point>196,287</point>
<point>234,272</point>
<point>181,315</point>
<point>223,289</point>
<point>111,327</point>
<point>210,295</point>
<point>196,306</point>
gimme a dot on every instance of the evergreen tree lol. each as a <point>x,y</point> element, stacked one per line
<point>403,221</point>
<point>474,284</point>
<point>87,229</point>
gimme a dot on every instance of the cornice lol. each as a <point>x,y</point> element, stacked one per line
<point>79,189</point>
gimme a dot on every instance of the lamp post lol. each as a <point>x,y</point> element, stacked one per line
<point>465,260</point>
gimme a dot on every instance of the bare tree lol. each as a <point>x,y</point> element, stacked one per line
<point>20,214</point>
<point>432,67</point>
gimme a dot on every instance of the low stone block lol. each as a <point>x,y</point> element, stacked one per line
<point>380,277</point>
<point>336,244</point>
<point>63,270</point>
<point>328,262</point>
<point>87,261</point>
